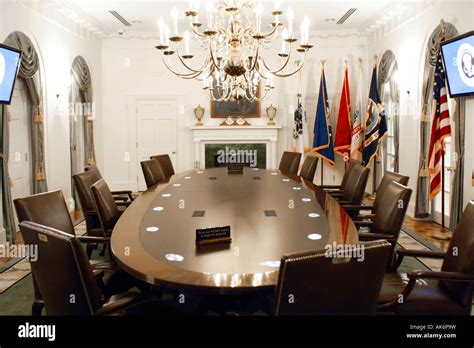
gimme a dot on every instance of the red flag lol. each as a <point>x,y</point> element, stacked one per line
<point>440,129</point>
<point>342,144</point>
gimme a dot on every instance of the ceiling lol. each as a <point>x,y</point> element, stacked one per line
<point>143,14</point>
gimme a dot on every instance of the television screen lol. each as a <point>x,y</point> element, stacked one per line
<point>9,64</point>
<point>458,56</point>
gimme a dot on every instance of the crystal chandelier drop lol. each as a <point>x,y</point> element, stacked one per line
<point>234,40</point>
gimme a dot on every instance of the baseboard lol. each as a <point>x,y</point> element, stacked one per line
<point>3,236</point>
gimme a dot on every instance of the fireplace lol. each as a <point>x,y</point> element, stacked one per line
<point>223,155</point>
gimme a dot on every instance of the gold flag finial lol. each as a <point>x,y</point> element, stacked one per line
<point>376,59</point>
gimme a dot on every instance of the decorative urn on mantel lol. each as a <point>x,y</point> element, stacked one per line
<point>199,114</point>
<point>271,114</point>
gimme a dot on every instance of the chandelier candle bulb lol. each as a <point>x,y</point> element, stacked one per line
<point>291,16</point>
<point>258,13</point>
<point>174,16</point>
<point>161,27</point>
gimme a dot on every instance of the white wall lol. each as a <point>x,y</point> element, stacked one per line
<point>58,43</point>
<point>408,40</point>
<point>133,67</point>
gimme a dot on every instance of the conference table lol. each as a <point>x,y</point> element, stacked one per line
<point>270,214</point>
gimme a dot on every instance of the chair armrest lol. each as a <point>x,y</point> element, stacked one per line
<point>124,192</point>
<point>124,204</point>
<point>92,239</point>
<point>363,223</point>
<point>358,207</point>
<point>331,187</point>
<point>421,253</point>
<point>451,276</point>
<point>375,236</point>
<point>98,273</point>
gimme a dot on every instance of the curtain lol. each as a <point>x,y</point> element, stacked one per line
<point>82,77</point>
<point>422,191</point>
<point>387,74</point>
<point>29,71</point>
<point>458,164</point>
<point>7,207</point>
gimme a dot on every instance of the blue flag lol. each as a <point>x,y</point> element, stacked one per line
<point>377,130</point>
<point>323,146</point>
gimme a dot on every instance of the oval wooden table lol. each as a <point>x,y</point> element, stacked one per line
<point>270,214</point>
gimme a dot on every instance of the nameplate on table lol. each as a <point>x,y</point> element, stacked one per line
<point>213,235</point>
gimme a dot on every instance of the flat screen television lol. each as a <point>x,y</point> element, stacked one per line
<point>9,64</point>
<point>458,57</point>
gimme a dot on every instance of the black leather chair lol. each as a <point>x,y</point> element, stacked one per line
<point>63,270</point>
<point>309,167</point>
<point>355,186</point>
<point>448,292</point>
<point>121,195</point>
<point>311,283</point>
<point>50,209</point>
<point>107,208</point>
<point>152,172</point>
<point>165,164</point>
<point>290,162</point>
<point>388,219</point>
<point>339,189</point>
<point>386,180</point>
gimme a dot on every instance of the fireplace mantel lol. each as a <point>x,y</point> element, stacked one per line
<point>235,135</point>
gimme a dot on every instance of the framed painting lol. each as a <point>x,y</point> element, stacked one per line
<point>242,108</point>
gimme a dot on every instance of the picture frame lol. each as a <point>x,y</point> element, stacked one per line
<point>242,108</point>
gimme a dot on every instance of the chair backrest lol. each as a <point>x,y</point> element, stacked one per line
<point>62,271</point>
<point>290,162</point>
<point>314,283</point>
<point>392,205</point>
<point>355,186</point>
<point>309,167</point>
<point>460,257</point>
<point>83,182</point>
<point>105,203</point>
<point>95,169</point>
<point>388,178</point>
<point>347,173</point>
<point>166,165</point>
<point>152,172</point>
<point>48,209</point>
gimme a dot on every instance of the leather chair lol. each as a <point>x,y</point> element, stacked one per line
<point>153,172</point>
<point>83,183</point>
<point>388,219</point>
<point>309,167</point>
<point>448,292</point>
<point>386,180</point>
<point>50,209</point>
<point>338,189</point>
<point>165,164</point>
<point>355,186</point>
<point>321,285</point>
<point>290,162</point>
<point>107,208</point>
<point>122,195</point>
<point>63,269</point>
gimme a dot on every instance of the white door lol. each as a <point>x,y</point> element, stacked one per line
<point>19,164</point>
<point>156,132</point>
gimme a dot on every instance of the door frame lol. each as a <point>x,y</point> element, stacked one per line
<point>132,143</point>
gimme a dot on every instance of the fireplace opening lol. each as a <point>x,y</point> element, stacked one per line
<point>224,155</point>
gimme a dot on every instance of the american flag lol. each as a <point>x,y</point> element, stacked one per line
<point>440,129</point>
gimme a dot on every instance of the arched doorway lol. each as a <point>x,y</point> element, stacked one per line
<point>81,118</point>
<point>23,170</point>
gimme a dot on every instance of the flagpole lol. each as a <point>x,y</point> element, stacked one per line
<point>362,121</point>
<point>374,177</point>
<point>323,62</point>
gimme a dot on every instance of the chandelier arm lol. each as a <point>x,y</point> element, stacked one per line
<point>213,58</point>
<point>256,55</point>
<point>198,33</point>
<point>273,72</point>
<point>185,75</point>
<point>293,72</point>
<point>202,68</point>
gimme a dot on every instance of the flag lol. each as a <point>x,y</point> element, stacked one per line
<point>440,129</point>
<point>342,143</point>
<point>377,129</point>
<point>359,119</point>
<point>322,145</point>
<point>300,130</point>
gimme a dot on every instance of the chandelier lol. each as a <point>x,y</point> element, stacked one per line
<point>233,40</point>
